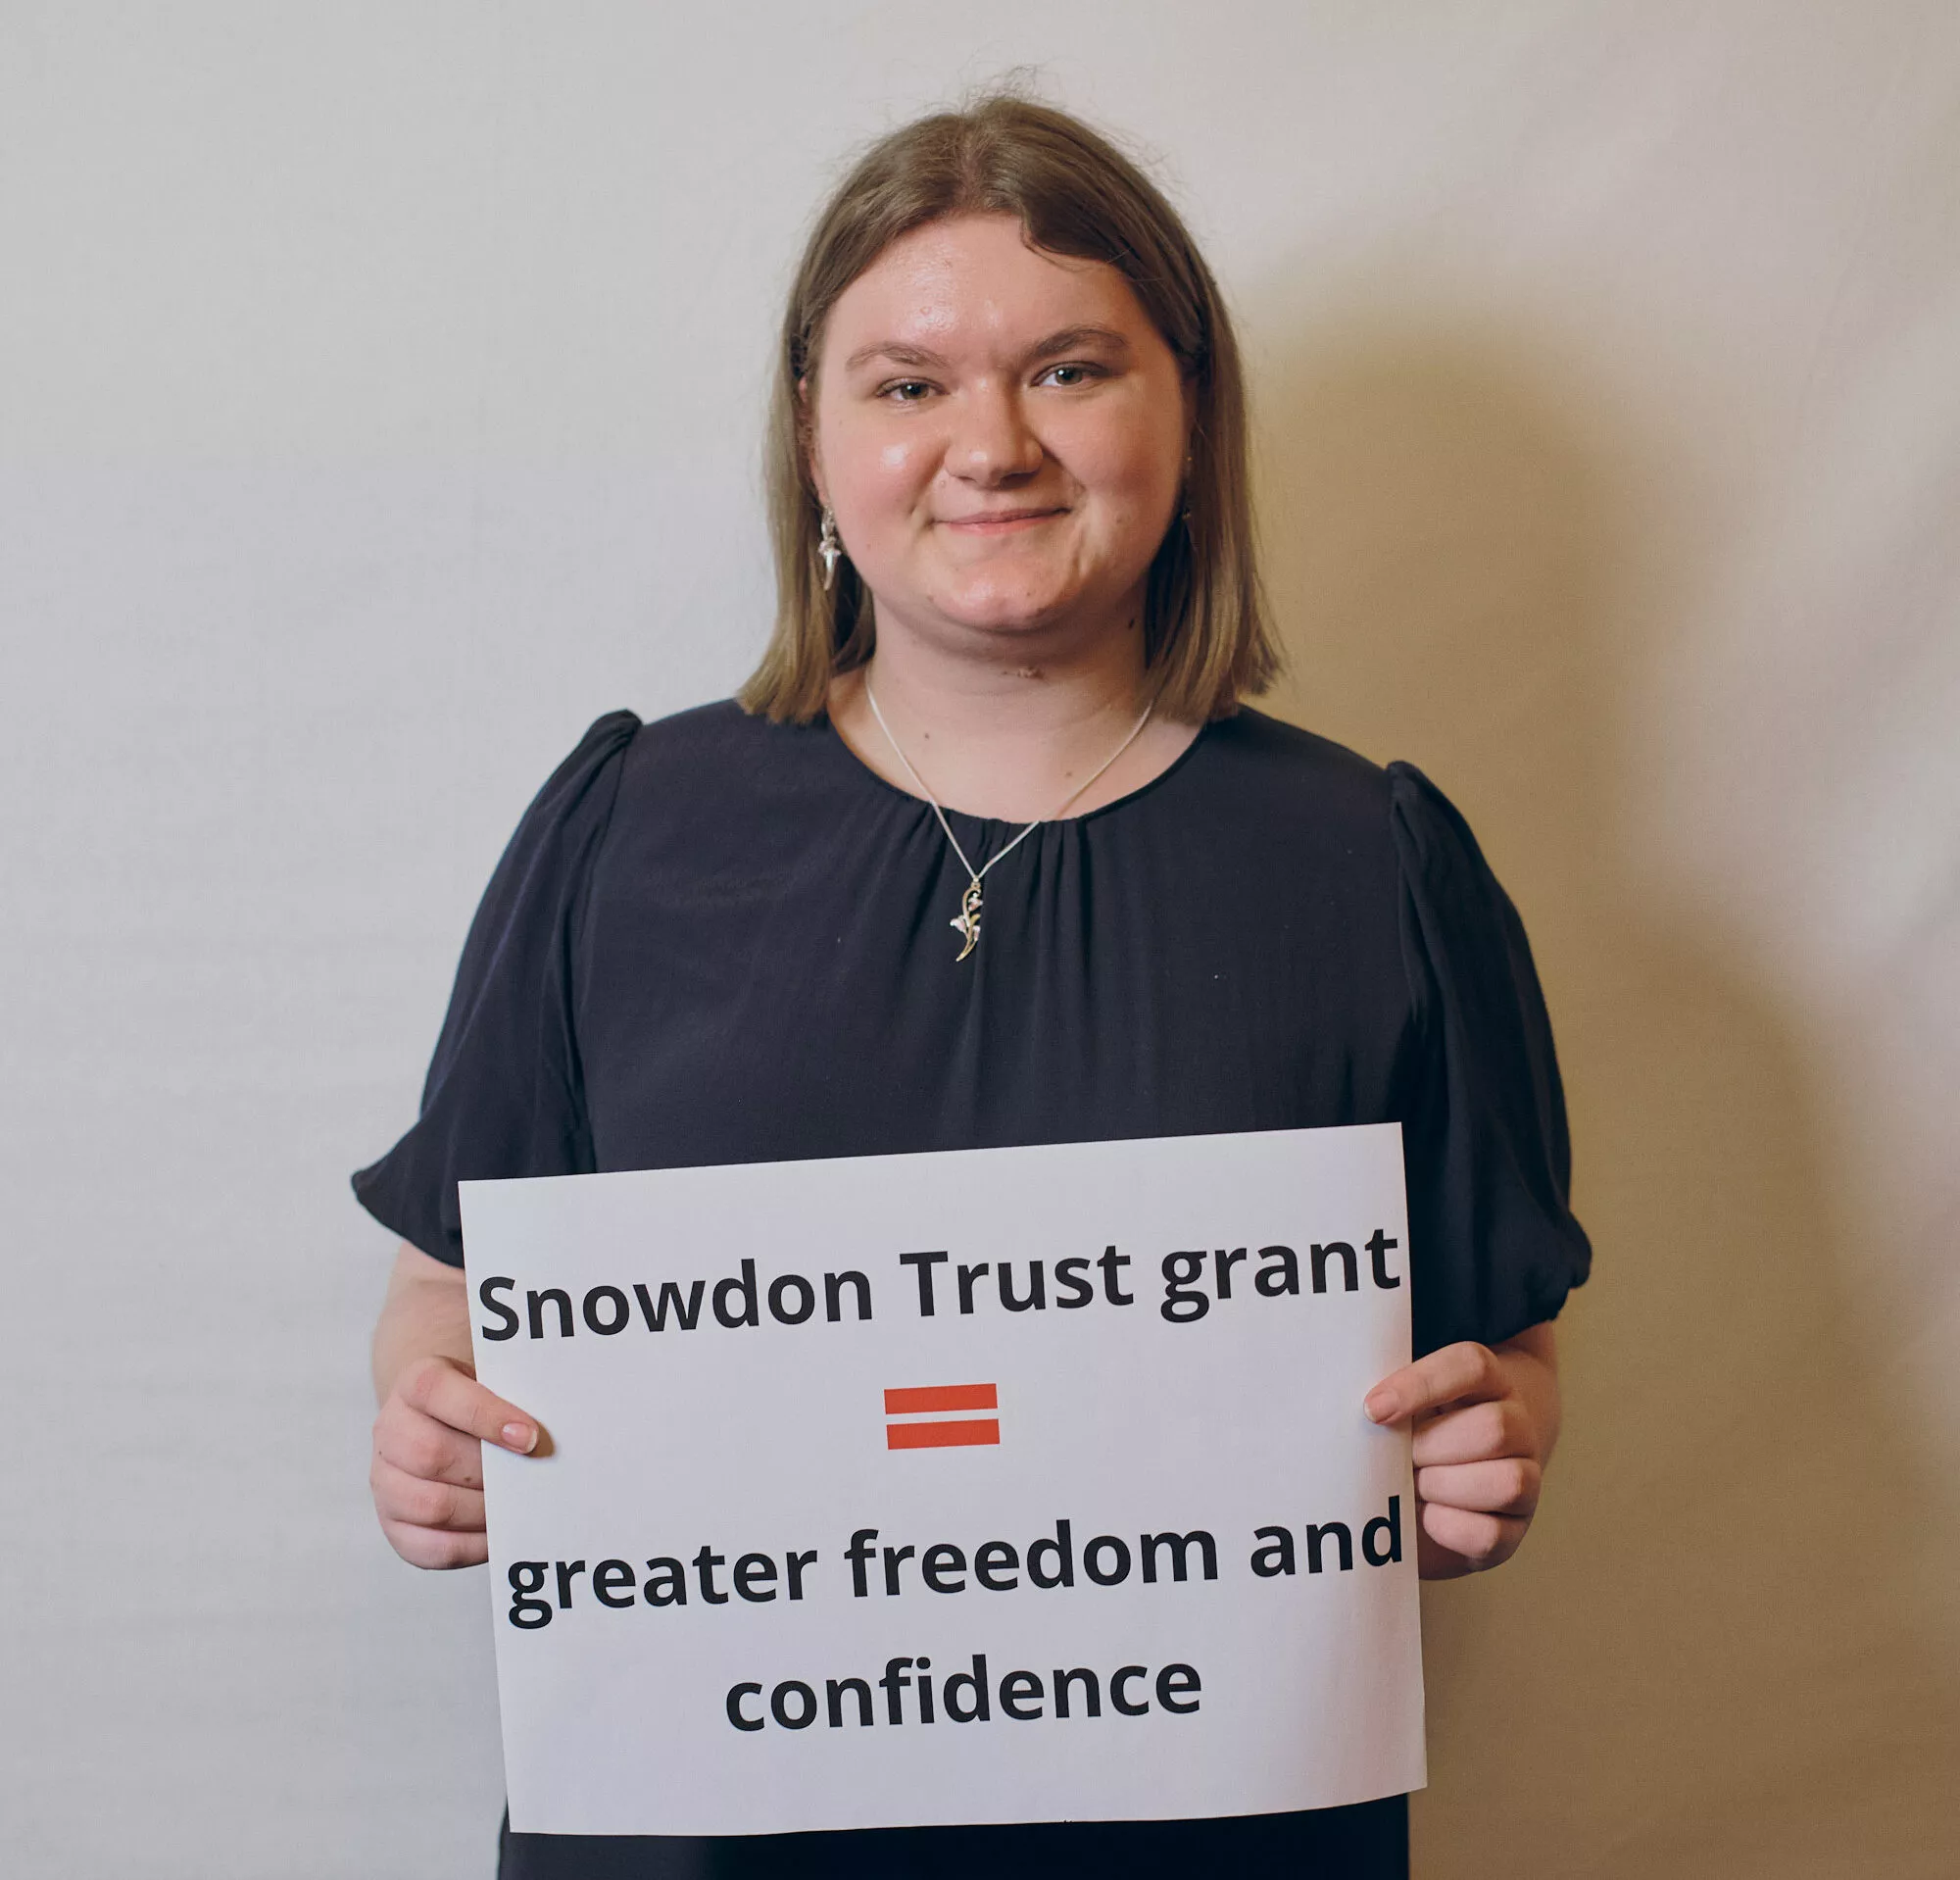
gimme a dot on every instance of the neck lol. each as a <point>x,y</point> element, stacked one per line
<point>1009,735</point>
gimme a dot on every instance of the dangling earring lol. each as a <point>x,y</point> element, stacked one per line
<point>828,547</point>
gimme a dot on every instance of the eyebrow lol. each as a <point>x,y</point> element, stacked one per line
<point>1067,340</point>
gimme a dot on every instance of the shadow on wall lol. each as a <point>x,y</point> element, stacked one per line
<point>1704,1662</point>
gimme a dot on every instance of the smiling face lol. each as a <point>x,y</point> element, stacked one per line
<point>1002,434</point>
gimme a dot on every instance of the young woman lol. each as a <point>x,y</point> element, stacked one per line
<point>991,852</point>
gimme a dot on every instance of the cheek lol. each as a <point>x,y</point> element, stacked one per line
<point>872,473</point>
<point>869,477</point>
<point>1133,467</point>
<point>895,471</point>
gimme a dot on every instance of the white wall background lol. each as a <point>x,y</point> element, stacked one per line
<point>380,396</point>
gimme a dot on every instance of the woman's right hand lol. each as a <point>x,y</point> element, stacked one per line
<point>427,1467</point>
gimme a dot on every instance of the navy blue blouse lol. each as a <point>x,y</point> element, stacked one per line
<point>718,939</point>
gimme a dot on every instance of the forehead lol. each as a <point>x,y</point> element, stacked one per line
<point>974,282</point>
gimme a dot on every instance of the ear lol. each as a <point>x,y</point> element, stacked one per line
<point>806,433</point>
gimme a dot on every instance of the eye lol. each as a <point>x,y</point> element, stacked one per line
<point>904,385</point>
<point>1083,375</point>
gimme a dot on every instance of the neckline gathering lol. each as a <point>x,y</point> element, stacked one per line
<point>842,748</point>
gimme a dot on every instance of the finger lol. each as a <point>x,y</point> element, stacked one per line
<point>437,1548</point>
<point>417,1444</point>
<point>1436,1562</point>
<point>1506,1487</point>
<point>1480,1540</point>
<point>410,1499</point>
<point>1476,1433</point>
<point>1455,1374</point>
<point>438,1388</point>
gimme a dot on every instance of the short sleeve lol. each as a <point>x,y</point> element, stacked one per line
<point>1494,1243</point>
<point>503,1094</point>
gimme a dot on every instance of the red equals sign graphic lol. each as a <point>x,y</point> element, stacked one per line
<point>938,1399</point>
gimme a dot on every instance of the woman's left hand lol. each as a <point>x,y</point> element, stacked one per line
<point>1486,1420</point>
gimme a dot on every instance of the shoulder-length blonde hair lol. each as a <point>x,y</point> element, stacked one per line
<point>1206,635</point>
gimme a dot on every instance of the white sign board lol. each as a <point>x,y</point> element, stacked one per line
<point>990,1486</point>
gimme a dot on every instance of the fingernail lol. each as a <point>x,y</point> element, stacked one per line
<point>521,1437</point>
<point>1382,1409</point>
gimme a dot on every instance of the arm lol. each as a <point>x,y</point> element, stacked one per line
<point>427,1467</point>
<point>1486,1420</point>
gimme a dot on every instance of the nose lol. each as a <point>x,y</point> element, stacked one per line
<point>992,442</point>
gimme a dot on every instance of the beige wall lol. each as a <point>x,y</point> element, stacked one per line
<point>380,388</point>
<point>1639,529</point>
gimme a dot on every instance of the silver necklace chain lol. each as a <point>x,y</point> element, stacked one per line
<point>967,921</point>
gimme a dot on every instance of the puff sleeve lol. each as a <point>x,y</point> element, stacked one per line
<point>503,1093</point>
<point>1494,1243</point>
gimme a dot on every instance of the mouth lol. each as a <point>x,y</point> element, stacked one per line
<point>999,521</point>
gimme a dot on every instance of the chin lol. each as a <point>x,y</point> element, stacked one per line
<point>991,609</point>
<point>1007,622</point>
